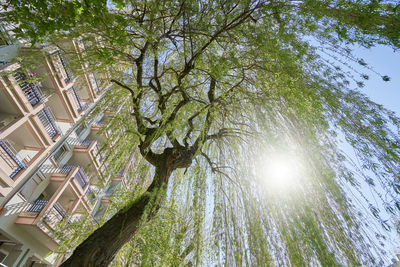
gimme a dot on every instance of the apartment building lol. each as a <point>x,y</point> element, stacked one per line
<point>51,165</point>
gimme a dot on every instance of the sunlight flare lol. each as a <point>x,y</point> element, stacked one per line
<point>280,171</point>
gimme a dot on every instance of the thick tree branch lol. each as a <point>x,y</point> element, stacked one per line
<point>138,117</point>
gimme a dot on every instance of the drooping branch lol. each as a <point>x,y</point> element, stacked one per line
<point>127,88</point>
<point>139,119</point>
<point>211,92</point>
<point>172,117</point>
<point>238,20</point>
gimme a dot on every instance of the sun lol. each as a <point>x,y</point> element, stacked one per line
<point>279,171</point>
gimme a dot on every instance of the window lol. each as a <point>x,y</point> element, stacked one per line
<point>59,153</point>
<point>79,129</point>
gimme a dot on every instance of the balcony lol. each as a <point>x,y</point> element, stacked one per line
<point>49,169</point>
<point>9,112</point>
<point>57,211</point>
<point>10,162</point>
<point>97,133</point>
<point>20,148</point>
<point>69,76</point>
<point>62,199</point>
<point>111,189</point>
<point>77,99</point>
<point>41,220</point>
<point>59,174</point>
<point>120,176</point>
<point>81,178</point>
<point>101,210</point>
<point>86,154</point>
<point>57,64</point>
<point>91,195</point>
<point>97,125</point>
<point>49,122</point>
<point>99,155</point>
<point>76,143</point>
<point>30,90</point>
<point>97,83</point>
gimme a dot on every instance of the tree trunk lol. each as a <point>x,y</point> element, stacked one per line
<point>100,248</point>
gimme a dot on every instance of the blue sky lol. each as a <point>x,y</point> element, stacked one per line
<point>387,62</point>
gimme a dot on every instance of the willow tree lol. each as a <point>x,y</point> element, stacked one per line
<point>210,84</point>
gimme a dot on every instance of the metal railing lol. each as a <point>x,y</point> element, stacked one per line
<point>65,169</point>
<point>38,205</point>
<point>32,173</point>
<point>99,153</point>
<point>31,91</point>
<point>54,215</point>
<point>67,70</point>
<point>49,122</point>
<point>98,88</point>
<point>59,209</point>
<point>98,123</point>
<point>9,155</point>
<point>77,98</point>
<point>85,105</point>
<point>86,142</point>
<point>91,195</point>
<point>76,142</point>
<point>81,178</point>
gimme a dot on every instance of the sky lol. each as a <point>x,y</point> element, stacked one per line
<point>387,62</point>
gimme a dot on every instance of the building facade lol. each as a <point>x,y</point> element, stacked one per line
<point>51,164</point>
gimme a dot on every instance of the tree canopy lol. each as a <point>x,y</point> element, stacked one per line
<point>208,89</point>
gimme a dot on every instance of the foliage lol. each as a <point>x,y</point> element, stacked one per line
<point>218,84</point>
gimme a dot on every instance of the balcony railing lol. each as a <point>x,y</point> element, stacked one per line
<point>81,178</point>
<point>98,88</point>
<point>65,169</point>
<point>68,72</point>
<point>54,215</point>
<point>38,206</point>
<point>110,190</point>
<point>91,195</point>
<point>49,122</point>
<point>76,142</point>
<point>59,209</point>
<point>98,124</point>
<point>9,155</point>
<point>121,172</point>
<point>31,91</point>
<point>98,153</point>
<point>77,99</point>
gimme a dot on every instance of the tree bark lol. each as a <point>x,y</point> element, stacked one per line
<point>100,248</point>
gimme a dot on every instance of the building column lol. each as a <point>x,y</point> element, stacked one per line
<point>15,251</point>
